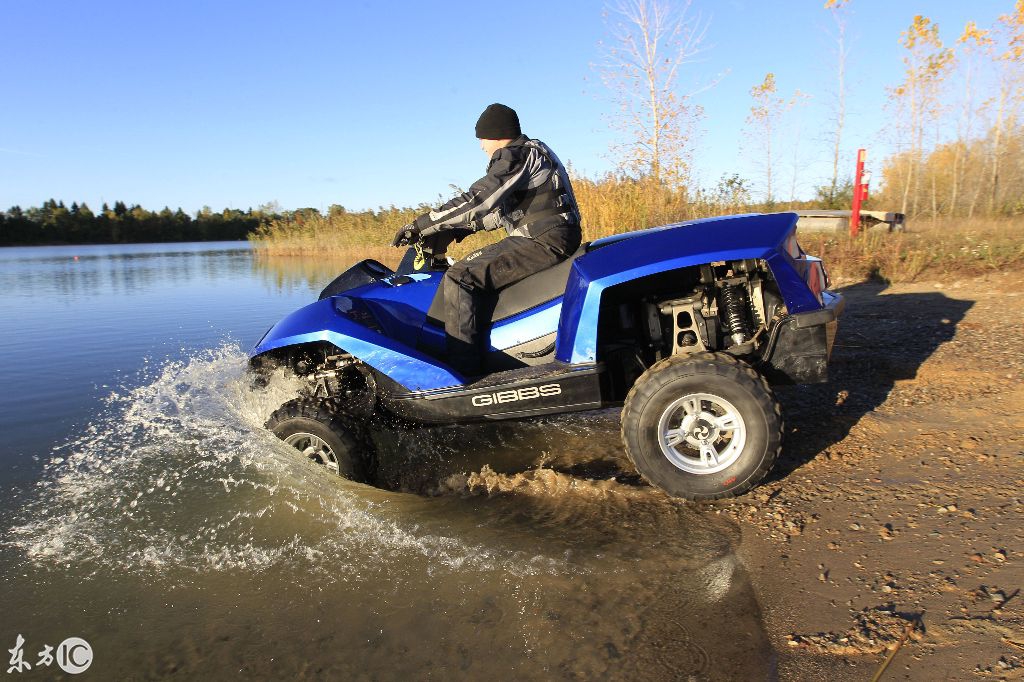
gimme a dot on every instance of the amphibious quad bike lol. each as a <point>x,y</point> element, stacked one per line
<point>685,326</point>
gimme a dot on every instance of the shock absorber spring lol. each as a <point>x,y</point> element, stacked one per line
<point>734,312</point>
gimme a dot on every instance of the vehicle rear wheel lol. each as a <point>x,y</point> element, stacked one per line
<point>327,436</point>
<point>703,427</point>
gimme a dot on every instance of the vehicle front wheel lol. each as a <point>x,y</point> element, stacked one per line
<point>702,427</point>
<point>325,435</point>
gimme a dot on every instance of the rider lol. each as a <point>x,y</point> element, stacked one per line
<point>527,192</point>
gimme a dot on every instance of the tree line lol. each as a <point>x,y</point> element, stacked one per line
<point>55,223</point>
<point>958,125</point>
<point>955,118</point>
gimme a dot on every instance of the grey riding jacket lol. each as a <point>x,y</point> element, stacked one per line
<point>526,191</point>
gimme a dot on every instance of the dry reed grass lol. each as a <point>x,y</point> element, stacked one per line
<point>611,206</point>
<point>939,249</point>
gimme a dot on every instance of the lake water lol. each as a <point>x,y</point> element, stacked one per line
<point>145,510</point>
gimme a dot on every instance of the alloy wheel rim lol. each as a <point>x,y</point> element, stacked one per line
<point>701,433</point>
<point>315,448</point>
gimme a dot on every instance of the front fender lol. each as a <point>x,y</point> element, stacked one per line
<point>321,321</point>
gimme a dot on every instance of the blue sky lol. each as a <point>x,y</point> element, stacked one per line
<point>367,104</point>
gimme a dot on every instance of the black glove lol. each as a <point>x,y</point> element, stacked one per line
<point>408,234</point>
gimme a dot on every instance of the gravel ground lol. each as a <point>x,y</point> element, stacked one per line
<point>894,519</point>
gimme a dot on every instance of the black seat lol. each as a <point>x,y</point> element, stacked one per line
<point>531,292</point>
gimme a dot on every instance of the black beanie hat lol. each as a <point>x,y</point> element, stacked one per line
<point>498,122</point>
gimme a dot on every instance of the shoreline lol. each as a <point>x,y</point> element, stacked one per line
<point>109,244</point>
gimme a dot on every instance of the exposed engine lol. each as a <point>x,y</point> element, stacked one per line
<point>725,306</point>
<point>730,309</point>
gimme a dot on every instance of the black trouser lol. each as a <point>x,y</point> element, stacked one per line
<point>470,288</point>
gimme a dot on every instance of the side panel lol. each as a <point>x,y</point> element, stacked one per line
<point>321,321</point>
<point>401,310</point>
<point>509,333</point>
<point>526,326</point>
<point>567,391</point>
<point>661,250</point>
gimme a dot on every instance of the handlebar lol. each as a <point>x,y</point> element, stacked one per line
<point>428,254</point>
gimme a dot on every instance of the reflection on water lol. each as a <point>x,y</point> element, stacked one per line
<point>126,269</point>
<point>159,521</point>
<point>106,270</point>
<point>313,274</point>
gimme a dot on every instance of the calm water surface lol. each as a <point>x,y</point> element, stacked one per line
<point>144,509</point>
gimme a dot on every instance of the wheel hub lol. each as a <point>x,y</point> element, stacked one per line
<point>700,428</point>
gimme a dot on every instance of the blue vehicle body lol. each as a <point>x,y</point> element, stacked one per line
<point>386,324</point>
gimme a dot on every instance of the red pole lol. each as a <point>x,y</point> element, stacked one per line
<point>858,193</point>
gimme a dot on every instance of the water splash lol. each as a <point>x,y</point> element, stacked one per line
<point>177,474</point>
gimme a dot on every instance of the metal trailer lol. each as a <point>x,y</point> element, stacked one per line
<point>821,220</point>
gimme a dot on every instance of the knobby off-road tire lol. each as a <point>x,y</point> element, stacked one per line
<point>328,436</point>
<point>702,427</point>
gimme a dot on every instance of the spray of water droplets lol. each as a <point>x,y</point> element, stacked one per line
<point>177,474</point>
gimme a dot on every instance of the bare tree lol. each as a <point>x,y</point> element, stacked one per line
<point>763,120</point>
<point>1010,62</point>
<point>839,16</point>
<point>973,42</point>
<point>798,101</point>
<point>917,97</point>
<point>650,41</point>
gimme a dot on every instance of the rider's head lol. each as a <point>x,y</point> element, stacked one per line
<point>496,127</point>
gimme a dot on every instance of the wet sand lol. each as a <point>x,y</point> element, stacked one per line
<point>896,513</point>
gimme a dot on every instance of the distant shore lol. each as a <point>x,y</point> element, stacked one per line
<point>241,240</point>
<point>54,224</point>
